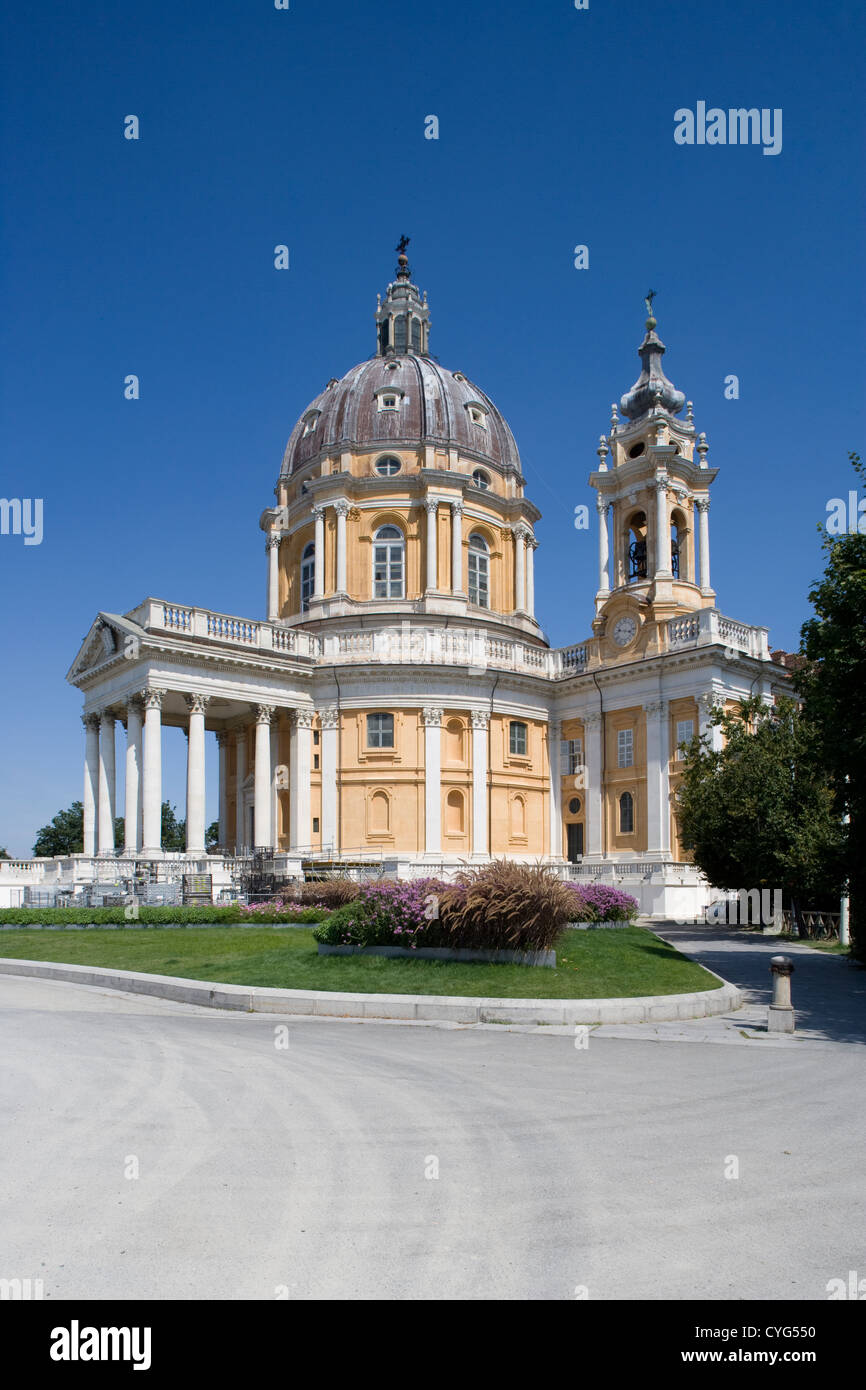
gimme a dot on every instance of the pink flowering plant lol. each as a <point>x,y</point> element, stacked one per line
<point>280,910</point>
<point>598,902</point>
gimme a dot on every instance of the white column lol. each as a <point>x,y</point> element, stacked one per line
<point>457,547</point>
<point>240,778</point>
<point>592,724</point>
<point>480,816</point>
<point>300,824</point>
<point>432,719</point>
<point>531,545</point>
<point>319,560</point>
<point>132,807</point>
<point>105,837</point>
<point>703,506</point>
<point>223,746</point>
<point>603,546</point>
<point>707,702</point>
<point>342,510</point>
<point>329,719</point>
<point>554,730</point>
<point>273,548</point>
<point>657,780</point>
<point>264,714</point>
<point>151,780</point>
<point>432,509</point>
<point>195,790</point>
<point>91,780</point>
<point>520,569</point>
<point>275,782</point>
<point>663,528</point>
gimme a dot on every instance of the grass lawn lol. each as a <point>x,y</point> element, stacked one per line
<point>590,964</point>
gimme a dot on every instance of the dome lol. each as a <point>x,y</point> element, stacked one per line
<point>433,406</point>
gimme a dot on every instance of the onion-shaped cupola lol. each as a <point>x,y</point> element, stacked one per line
<point>403,318</point>
<point>652,390</point>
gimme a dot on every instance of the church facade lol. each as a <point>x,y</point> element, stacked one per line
<point>399,703</point>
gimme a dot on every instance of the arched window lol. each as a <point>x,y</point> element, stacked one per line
<point>675,552</point>
<point>401,329</point>
<point>626,813</point>
<point>308,575</point>
<point>481,479</point>
<point>479,571</point>
<point>636,541</point>
<point>389,553</point>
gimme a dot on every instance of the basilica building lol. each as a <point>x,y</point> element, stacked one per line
<point>399,704</point>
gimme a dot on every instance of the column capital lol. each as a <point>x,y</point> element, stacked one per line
<point>302,718</point>
<point>602,505</point>
<point>661,479</point>
<point>431,505</point>
<point>222,738</point>
<point>107,716</point>
<point>342,508</point>
<point>654,709</point>
<point>592,720</point>
<point>480,718</point>
<point>456,505</point>
<point>318,511</point>
<point>708,701</point>
<point>329,717</point>
<point>702,504</point>
<point>431,715</point>
<point>521,532</point>
<point>153,698</point>
<point>273,540</point>
<point>264,713</point>
<point>90,722</point>
<point>197,704</point>
<point>134,703</point>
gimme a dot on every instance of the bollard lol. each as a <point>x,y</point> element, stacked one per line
<point>780,1018</point>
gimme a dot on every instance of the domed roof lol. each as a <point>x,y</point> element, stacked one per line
<point>435,406</point>
<point>432,405</point>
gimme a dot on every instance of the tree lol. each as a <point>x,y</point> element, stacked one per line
<point>760,812</point>
<point>64,835</point>
<point>832,685</point>
<point>4,854</point>
<point>212,835</point>
<point>173,830</point>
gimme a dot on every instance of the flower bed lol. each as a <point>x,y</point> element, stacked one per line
<point>599,903</point>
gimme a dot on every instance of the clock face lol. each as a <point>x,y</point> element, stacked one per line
<point>623,631</point>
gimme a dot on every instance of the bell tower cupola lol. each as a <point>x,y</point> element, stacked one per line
<point>402,318</point>
<point>652,482</point>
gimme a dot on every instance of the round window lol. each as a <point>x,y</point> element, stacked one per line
<point>388,466</point>
<point>574,806</point>
<point>636,450</point>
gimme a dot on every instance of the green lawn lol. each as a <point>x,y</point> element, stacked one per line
<point>590,964</point>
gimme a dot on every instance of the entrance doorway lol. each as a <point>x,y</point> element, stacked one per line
<point>574,834</point>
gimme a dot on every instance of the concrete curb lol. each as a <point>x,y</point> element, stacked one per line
<point>658,1008</point>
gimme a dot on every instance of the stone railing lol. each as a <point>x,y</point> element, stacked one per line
<point>709,627</point>
<point>438,646</point>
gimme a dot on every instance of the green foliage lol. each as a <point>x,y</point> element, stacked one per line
<point>4,854</point>
<point>833,688</point>
<point>64,835</point>
<point>147,916</point>
<point>760,812</point>
<point>173,831</point>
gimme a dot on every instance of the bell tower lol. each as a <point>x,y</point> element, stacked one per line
<point>651,481</point>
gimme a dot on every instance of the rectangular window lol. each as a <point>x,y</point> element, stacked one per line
<point>517,740</point>
<point>315,825</point>
<point>625,748</point>
<point>380,731</point>
<point>315,762</point>
<point>479,585</point>
<point>571,756</point>
<point>316,738</point>
<point>685,734</point>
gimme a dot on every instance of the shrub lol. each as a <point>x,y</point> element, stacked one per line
<point>597,902</point>
<point>154,916</point>
<point>499,906</point>
<point>276,910</point>
<point>327,892</point>
<point>507,906</point>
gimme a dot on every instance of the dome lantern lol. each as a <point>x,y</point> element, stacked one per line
<point>652,392</point>
<point>403,319</point>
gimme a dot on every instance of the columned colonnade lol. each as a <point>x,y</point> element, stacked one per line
<point>143,794</point>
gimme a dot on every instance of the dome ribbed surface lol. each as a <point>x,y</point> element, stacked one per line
<point>434,410</point>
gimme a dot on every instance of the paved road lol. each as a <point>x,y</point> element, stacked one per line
<point>558,1167</point>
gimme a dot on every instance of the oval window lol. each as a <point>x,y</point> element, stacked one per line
<point>636,450</point>
<point>574,806</point>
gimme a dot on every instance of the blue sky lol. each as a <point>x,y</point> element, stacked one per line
<point>306,127</point>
